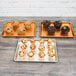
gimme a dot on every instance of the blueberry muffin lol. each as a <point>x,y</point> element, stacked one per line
<point>9,29</point>
<point>28,24</point>
<point>15,25</point>
<point>21,29</point>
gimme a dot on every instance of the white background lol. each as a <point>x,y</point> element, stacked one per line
<point>38,8</point>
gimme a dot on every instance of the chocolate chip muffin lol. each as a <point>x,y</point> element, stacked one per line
<point>51,30</point>
<point>57,24</point>
<point>65,30</point>
<point>46,23</point>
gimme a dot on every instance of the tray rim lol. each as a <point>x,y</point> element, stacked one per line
<point>58,36</point>
<point>19,35</point>
<point>36,61</point>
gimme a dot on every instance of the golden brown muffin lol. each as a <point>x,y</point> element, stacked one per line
<point>50,48</point>
<point>15,25</point>
<point>21,54</point>
<point>41,41</point>
<point>31,54</point>
<point>32,46</point>
<point>21,29</point>
<point>51,53</point>
<point>23,47</point>
<point>41,54</point>
<point>24,41</point>
<point>49,41</point>
<point>9,29</point>
<point>41,48</point>
<point>28,24</point>
<point>32,41</point>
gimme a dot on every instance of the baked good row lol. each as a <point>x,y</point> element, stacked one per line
<point>19,27</point>
<point>55,26</point>
<point>41,48</point>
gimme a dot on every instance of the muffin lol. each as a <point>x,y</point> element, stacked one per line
<point>65,30</point>
<point>31,54</point>
<point>15,25</point>
<point>51,30</point>
<point>21,53</point>
<point>32,40</point>
<point>49,41</point>
<point>41,54</point>
<point>23,47</point>
<point>9,29</point>
<point>50,48</point>
<point>41,41</point>
<point>51,53</point>
<point>28,24</point>
<point>21,30</point>
<point>57,24</point>
<point>41,48</point>
<point>33,46</point>
<point>46,23</point>
<point>24,41</point>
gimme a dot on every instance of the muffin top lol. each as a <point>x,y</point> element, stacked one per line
<point>46,23</point>
<point>51,29</point>
<point>57,24</point>
<point>65,29</point>
<point>28,22</point>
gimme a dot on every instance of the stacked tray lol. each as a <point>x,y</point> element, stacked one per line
<point>36,50</point>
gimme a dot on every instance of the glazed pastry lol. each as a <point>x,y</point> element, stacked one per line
<point>21,54</point>
<point>33,46</point>
<point>51,53</point>
<point>41,48</point>
<point>51,30</point>
<point>57,24</point>
<point>21,30</point>
<point>28,24</point>
<point>23,47</point>
<point>46,23</point>
<point>24,41</point>
<point>49,41</point>
<point>41,41</point>
<point>65,30</point>
<point>9,29</point>
<point>41,54</point>
<point>50,48</point>
<point>32,40</point>
<point>15,25</point>
<point>31,54</point>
